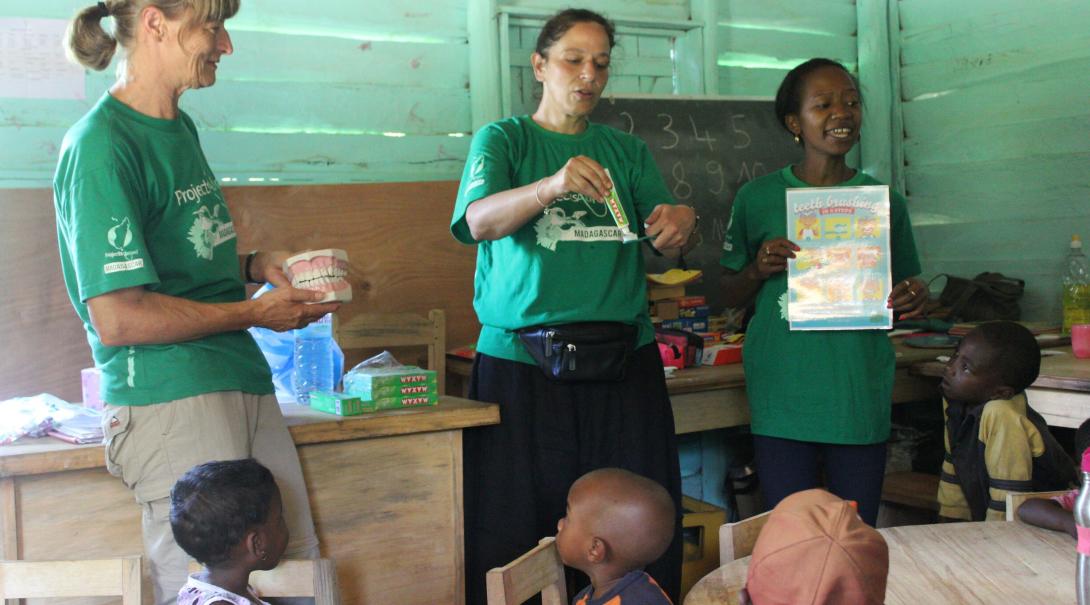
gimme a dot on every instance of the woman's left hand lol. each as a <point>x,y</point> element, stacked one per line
<point>670,225</point>
<point>908,298</point>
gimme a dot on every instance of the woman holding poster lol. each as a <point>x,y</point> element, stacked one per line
<point>819,399</point>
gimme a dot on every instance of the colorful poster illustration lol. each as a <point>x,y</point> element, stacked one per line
<point>841,277</point>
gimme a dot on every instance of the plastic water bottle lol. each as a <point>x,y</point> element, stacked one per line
<point>1076,287</point>
<point>313,369</point>
<point>1082,527</point>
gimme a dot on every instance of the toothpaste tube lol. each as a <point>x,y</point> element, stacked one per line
<point>617,210</point>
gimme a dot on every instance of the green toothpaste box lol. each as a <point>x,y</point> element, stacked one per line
<point>390,383</point>
<point>407,401</point>
<point>342,404</point>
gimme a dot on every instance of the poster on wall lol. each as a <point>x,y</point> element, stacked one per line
<point>841,277</point>
<point>32,61</point>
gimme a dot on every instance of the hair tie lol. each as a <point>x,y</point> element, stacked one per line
<point>102,8</point>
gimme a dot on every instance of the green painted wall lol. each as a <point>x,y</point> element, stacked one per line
<point>353,91</point>
<point>996,107</point>
<point>980,114</point>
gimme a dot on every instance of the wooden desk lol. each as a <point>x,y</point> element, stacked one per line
<point>1061,393</point>
<point>714,397</point>
<point>950,564</point>
<point>385,490</point>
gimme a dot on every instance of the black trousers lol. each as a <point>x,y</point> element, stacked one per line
<point>517,473</point>
<point>853,472</point>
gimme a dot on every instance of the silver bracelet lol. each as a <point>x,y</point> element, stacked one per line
<point>537,195</point>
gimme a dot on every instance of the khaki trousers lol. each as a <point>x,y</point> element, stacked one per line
<point>150,447</point>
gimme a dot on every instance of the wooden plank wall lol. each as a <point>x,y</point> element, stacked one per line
<point>996,147</point>
<point>759,41</point>
<point>348,92</point>
<point>401,255</point>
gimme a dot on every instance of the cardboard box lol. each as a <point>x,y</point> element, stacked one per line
<point>408,401</point>
<point>341,404</point>
<point>665,309</point>
<point>698,312</point>
<point>90,381</point>
<point>664,292</point>
<point>372,386</point>
<point>691,301</point>
<point>700,523</point>
<point>689,324</point>
<point>719,355</point>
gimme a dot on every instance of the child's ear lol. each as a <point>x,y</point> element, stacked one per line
<point>599,550</point>
<point>256,544</point>
<point>1003,392</point>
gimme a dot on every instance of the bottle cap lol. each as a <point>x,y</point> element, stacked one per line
<point>1076,241</point>
<point>1086,461</point>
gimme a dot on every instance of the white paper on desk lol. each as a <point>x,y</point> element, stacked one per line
<point>32,61</point>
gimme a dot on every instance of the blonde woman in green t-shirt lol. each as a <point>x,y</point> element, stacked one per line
<point>819,400</point>
<point>149,255</point>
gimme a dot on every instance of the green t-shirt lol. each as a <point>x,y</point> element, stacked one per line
<point>569,263</point>
<point>820,386</point>
<point>137,205</point>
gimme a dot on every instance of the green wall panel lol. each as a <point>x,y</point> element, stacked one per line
<point>306,96</point>
<point>995,110</point>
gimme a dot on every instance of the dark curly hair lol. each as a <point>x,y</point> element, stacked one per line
<point>214,504</point>
<point>789,95</point>
<point>1014,356</point>
<point>559,24</point>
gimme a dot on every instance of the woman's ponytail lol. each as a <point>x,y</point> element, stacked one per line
<point>86,42</point>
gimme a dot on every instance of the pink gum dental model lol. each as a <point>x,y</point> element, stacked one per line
<point>321,270</point>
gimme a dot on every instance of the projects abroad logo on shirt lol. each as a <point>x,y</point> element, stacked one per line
<point>556,225</point>
<point>476,174</point>
<point>120,238</point>
<point>211,225</point>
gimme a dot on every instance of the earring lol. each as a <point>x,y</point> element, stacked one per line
<point>264,556</point>
<point>798,141</point>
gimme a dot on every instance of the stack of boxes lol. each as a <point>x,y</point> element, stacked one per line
<point>381,389</point>
<point>673,309</point>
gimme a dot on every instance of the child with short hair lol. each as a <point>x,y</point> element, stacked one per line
<point>1057,512</point>
<point>227,515</point>
<point>617,522</point>
<point>995,442</point>
<point>815,549</point>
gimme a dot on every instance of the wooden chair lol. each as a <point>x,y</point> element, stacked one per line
<point>736,540</point>
<point>1016,499</point>
<point>537,571</point>
<point>86,578</point>
<point>296,578</point>
<point>382,330</point>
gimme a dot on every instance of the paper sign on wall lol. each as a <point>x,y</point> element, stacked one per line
<point>841,278</point>
<point>32,61</point>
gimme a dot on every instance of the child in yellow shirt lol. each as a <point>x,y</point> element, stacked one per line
<point>995,442</point>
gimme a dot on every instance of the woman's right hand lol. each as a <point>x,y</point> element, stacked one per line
<point>581,175</point>
<point>283,309</point>
<point>772,257</point>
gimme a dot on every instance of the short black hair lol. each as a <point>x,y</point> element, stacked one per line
<point>789,94</point>
<point>559,24</point>
<point>214,504</point>
<point>1082,438</point>
<point>1014,357</point>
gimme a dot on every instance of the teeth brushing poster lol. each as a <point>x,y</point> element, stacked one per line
<point>841,277</point>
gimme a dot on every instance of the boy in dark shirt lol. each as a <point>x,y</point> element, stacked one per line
<point>995,442</point>
<point>617,522</point>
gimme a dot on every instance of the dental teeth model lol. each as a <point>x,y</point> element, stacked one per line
<point>321,270</point>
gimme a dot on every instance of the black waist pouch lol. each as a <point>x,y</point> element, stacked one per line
<point>584,351</point>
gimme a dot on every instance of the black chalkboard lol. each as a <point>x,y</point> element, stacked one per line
<point>706,150</point>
